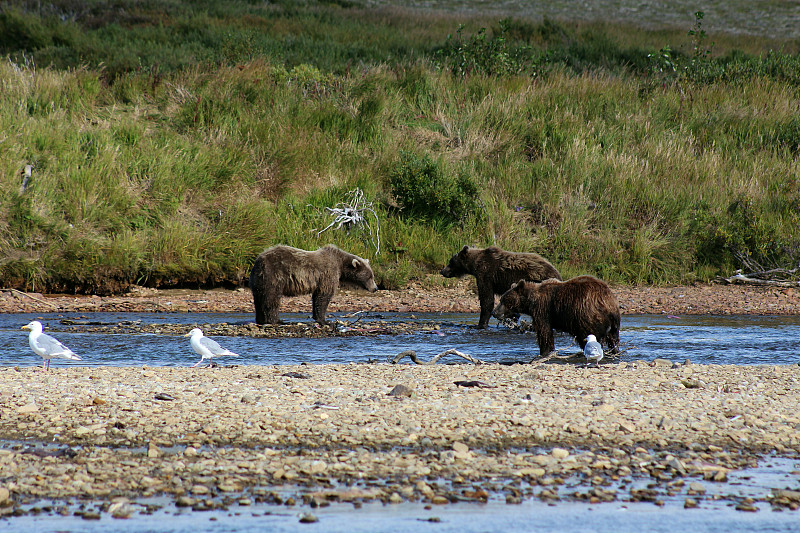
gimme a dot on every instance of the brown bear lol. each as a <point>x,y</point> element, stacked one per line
<point>495,270</point>
<point>580,306</point>
<point>286,271</point>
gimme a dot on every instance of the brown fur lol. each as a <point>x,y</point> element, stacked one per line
<point>286,271</point>
<point>495,270</point>
<point>580,306</point>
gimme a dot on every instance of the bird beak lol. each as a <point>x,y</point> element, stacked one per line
<point>187,335</point>
<point>25,327</point>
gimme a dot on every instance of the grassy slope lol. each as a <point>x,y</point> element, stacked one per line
<point>214,133</point>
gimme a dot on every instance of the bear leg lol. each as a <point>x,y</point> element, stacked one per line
<point>319,306</point>
<point>547,343</point>
<point>271,304</point>
<point>486,298</point>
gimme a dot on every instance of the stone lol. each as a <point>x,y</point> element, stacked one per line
<point>696,488</point>
<point>28,409</point>
<point>5,496</point>
<point>460,447</point>
<point>308,518</point>
<point>153,451</point>
<point>401,391</point>
<point>559,453</point>
<point>120,510</point>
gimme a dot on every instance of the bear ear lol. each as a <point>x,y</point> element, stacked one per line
<point>356,263</point>
<point>464,250</point>
<point>513,286</point>
<point>521,284</point>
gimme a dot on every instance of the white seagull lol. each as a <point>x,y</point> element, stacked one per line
<point>206,347</point>
<point>593,351</point>
<point>47,346</point>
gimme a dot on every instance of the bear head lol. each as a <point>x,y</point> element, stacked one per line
<point>459,266</point>
<point>359,272</point>
<point>513,301</point>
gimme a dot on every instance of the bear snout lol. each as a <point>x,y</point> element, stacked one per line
<point>446,272</point>
<point>500,312</point>
<point>373,287</point>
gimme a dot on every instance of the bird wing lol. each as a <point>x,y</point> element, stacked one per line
<point>593,349</point>
<point>53,347</point>
<point>214,347</point>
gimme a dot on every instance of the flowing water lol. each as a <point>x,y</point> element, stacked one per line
<point>741,340</point>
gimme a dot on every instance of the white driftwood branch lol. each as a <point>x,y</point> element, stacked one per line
<point>354,212</point>
<point>413,355</point>
<point>742,279</point>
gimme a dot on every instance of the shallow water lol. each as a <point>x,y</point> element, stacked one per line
<point>495,515</point>
<point>742,340</point>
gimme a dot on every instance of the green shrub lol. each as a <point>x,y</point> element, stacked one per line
<point>424,189</point>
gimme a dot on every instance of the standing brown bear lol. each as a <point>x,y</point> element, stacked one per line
<point>580,306</point>
<point>495,270</point>
<point>286,271</point>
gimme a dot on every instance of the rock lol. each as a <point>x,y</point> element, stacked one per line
<point>308,518</point>
<point>200,490</point>
<point>185,501</point>
<point>395,498</point>
<point>690,503</point>
<point>661,363</point>
<point>439,500</point>
<point>748,507</point>
<point>790,495</point>
<point>401,391</point>
<point>153,451</point>
<point>559,453</point>
<point>696,488</point>
<point>28,409</point>
<point>627,427</point>
<point>120,510</point>
<point>531,472</point>
<point>5,497</point>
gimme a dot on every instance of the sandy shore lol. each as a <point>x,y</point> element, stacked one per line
<point>202,434</point>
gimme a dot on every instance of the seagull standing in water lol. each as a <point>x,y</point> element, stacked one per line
<point>593,351</point>
<point>47,346</point>
<point>206,347</point>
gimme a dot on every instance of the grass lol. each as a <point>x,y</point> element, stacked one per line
<point>172,145</point>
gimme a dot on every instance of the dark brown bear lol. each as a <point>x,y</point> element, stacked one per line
<point>286,271</point>
<point>495,270</point>
<point>580,306</point>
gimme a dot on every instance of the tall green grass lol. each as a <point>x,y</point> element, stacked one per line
<point>179,172</point>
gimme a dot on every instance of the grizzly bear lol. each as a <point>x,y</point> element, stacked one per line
<point>286,271</point>
<point>495,270</point>
<point>580,306</point>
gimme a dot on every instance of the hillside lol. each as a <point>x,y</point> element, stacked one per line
<point>170,142</point>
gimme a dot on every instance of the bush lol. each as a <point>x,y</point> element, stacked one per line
<point>424,189</point>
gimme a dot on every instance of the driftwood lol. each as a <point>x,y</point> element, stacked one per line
<point>413,355</point>
<point>15,291</point>
<point>776,277</point>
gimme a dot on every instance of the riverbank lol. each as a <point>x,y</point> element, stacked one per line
<point>458,296</point>
<point>349,433</point>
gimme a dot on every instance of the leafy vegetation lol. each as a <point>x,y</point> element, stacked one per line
<point>171,142</point>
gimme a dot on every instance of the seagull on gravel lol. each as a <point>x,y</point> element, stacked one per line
<point>593,351</point>
<point>47,346</point>
<point>206,347</point>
